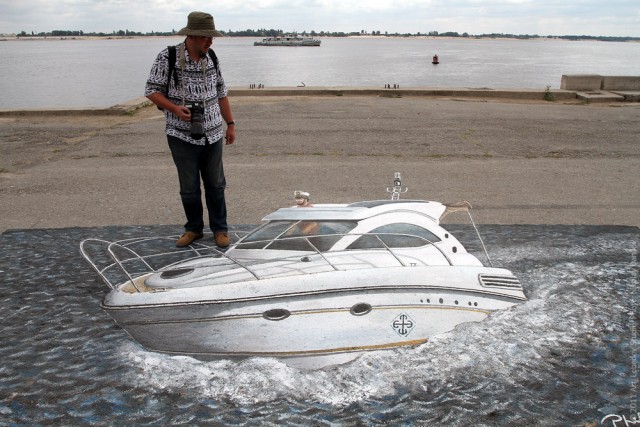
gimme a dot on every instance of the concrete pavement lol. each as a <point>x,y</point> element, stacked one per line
<point>518,161</point>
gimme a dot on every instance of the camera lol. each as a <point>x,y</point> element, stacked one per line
<point>197,119</point>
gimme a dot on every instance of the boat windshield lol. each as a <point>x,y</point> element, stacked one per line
<point>297,235</point>
<point>398,235</point>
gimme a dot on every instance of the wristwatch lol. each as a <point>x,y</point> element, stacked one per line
<point>232,122</point>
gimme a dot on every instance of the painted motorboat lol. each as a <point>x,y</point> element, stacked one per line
<point>288,40</point>
<point>314,285</point>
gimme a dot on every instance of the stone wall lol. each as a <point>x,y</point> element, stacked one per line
<point>598,82</point>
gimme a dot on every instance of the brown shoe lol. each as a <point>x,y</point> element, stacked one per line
<point>222,239</point>
<point>188,238</point>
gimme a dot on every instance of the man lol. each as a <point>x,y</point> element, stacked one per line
<point>303,199</point>
<point>196,151</point>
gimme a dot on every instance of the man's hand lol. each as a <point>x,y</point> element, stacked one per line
<point>230,137</point>
<point>163,102</point>
<point>182,112</point>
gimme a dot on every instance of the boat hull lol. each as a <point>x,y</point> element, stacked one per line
<point>286,43</point>
<point>288,40</point>
<point>310,329</point>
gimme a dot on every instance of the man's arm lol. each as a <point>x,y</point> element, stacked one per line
<point>227,116</point>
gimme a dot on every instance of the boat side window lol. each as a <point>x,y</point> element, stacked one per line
<point>321,234</point>
<point>291,244</point>
<point>264,235</point>
<point>399,235</point>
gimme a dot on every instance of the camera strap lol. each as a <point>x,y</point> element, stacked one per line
<point>203,64</point>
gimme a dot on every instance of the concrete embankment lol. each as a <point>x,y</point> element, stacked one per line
<point>472,93</point>
<point>583,88</point>
<point>597,88</point>
<point>514,94</point>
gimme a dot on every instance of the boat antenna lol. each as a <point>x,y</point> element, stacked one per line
<point>397,188</point>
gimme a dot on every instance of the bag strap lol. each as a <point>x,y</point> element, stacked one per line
<point>172,70</point>
<point>214,58</point>
<point>172,65</point>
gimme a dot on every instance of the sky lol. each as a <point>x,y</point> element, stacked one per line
<point>542,17</point>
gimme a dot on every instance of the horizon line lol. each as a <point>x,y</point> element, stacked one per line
<point>229,33</point>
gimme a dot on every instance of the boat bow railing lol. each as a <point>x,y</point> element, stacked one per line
<point>125,260</point>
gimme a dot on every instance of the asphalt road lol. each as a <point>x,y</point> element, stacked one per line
<point>517,162</point>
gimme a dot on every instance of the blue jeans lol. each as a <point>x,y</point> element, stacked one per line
<point>194,162</point>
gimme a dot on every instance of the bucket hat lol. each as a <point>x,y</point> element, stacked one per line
<point>200,24</point>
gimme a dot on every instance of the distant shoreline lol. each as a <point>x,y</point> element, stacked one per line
<point>365,36</point>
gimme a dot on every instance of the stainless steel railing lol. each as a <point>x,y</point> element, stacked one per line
<point>125,260</point>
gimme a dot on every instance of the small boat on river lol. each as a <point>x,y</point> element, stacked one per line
<point>288,40</point>
<point>314,285</point>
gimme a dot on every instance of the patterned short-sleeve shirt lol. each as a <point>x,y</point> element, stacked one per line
<point>196,87</point>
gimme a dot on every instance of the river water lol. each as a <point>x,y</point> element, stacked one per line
<point>104,72</point>
<point>566,357</point>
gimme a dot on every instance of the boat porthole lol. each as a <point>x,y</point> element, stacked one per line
<point>456,301</point>
<point>305,259</point>
<point>470,304</point>
<point>454,249</point>
<point>441,300</point>
<point>177,272</point>
<point>276,314</point>
<point>446,236</point>
<point>428,301</point>
<point>361,309</point>
<point>475,304</point>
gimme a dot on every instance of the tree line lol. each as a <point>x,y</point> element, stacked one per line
<point>262,32</point>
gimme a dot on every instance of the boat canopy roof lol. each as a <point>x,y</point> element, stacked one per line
<point>357,211</point>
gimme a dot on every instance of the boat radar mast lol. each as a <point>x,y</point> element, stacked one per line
<point>397,188</point>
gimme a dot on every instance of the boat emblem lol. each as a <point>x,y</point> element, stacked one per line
<point>403,324</point>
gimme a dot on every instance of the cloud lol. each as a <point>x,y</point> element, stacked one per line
<point>542,17</point>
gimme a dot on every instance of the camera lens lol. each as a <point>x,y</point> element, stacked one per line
<point>197,121</point>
